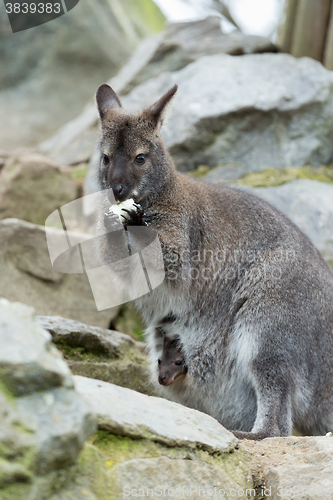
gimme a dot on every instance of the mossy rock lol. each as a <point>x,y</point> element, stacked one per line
<point>112,463</point>
<point>278,176</point>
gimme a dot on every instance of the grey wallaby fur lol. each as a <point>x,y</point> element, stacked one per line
<point>245,291</point>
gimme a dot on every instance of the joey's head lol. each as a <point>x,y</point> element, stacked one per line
<point>171,364</point>
<point>133,159</point>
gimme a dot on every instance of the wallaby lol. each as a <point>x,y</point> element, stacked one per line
<point>171,363</point>
<point>247,293</point>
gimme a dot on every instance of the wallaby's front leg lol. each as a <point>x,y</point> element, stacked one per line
<point>274,416</point>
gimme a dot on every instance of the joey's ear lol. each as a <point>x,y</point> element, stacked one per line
<point>166,342</point>
<point>106,99</point>
<point>156,113</point>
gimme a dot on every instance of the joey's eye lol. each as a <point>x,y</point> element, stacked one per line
<point>178,362</point>
<point>105,159</point>
<point>140,159</point>
<point>159,362</point>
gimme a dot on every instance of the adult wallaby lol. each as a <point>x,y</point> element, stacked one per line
<point>245,290</point>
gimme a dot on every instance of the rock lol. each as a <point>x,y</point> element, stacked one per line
<point>293,466</point>
<point>185,477</point>
<point>256,110</point>
<point>74,492</point>
<point>43,421</point>
<point>309,204</point>
<point>27,276</point>
<point>94,339</point>
<point>99,353</point>
<point>147,443</point>
<point>178,45</point>
<point>72,420</point>
<point>253,112</point>
<point>127,413</point>
<point>182,43</point>
<point>73,51</point>
<point>28,361</point>
<point>32,187</point>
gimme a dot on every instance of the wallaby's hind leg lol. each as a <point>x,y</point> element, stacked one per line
<point>274,416</point>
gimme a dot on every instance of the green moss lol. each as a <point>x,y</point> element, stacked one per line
<point>79,173</point>
<point>90,465</point>
<point>118,449</point>
<point>132,375</point>
<point>130,322</point>
<point>199,172</point>
<point>146,11</point>
<point>11,473</point>
<point>276,177</point>
<point>79,353</point>
<point>15,492</point>
<point>22,428</point>
<point>5,391</point>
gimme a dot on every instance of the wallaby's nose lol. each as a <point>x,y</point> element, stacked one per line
<point>117,189</point>
<point>161,379</point>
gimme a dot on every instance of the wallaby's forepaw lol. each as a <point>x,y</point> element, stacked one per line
<point>133,217</point>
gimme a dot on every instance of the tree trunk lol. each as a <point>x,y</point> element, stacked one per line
<point>328,54</point>
<point>287,27</point>
<point>310,29</point>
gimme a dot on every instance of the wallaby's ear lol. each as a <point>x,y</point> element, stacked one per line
<point>106,99</point>
<point>156,113</point>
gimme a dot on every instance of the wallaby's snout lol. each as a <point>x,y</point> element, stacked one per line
<point>118,190</point>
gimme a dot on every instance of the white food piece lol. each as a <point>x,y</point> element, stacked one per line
<point>329,435</point>
<point>117,209</point>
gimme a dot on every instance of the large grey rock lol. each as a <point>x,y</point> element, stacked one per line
<point>178,45</point>
<point>28,276</point>
<point>28,360</point>
<point>256,110</point>
<point>94,339</point>
<point>43,421</point>
<point>127,413</point>
<point>250,112</point>
<point>32,187</point>
<point>49,72</point>
<point>294,467</point>
<point>72,419</point>
<point>99,353</point>
<point>309,204</point>
<point>184,42</point>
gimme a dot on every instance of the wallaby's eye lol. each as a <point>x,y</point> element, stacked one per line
<point>105,159</point>
<point>159,362</point>
<point>178,362</point>
<point>140,159</point>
